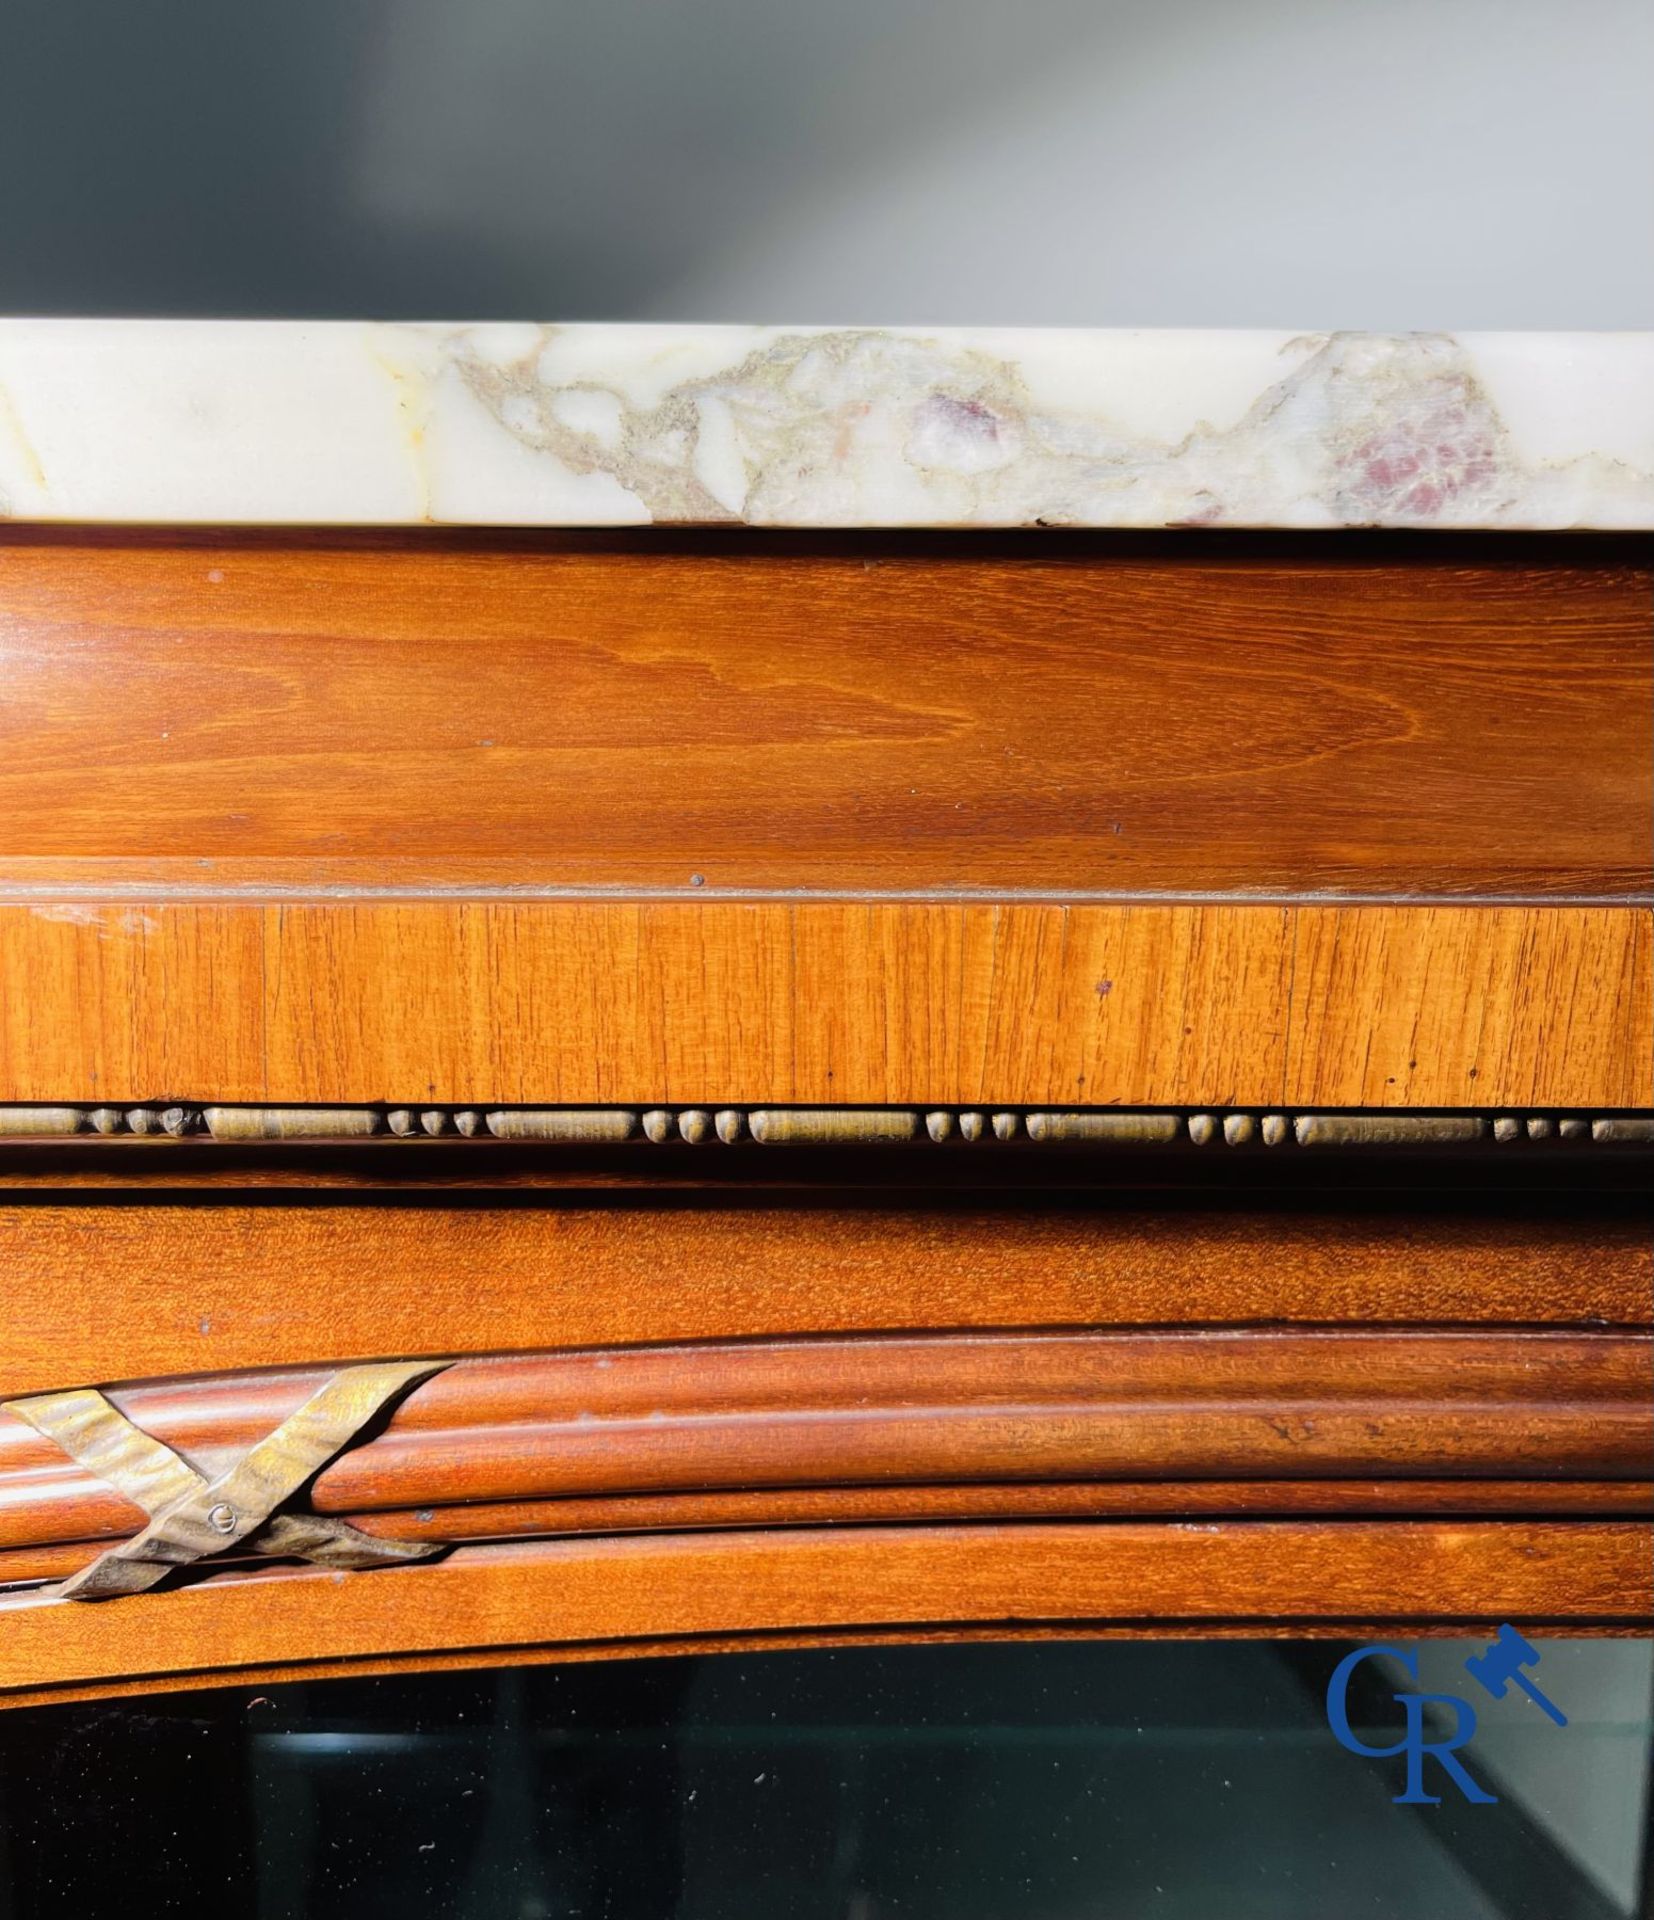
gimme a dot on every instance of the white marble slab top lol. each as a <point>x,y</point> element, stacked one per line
<point>371,424</point>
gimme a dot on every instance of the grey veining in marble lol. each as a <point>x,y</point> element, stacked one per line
<point>384,424</point>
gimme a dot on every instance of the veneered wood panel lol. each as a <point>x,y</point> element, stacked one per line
<point>504,1002</point>
<point>831,1002</point>
<point>1436,1005</point>
<point>646,1588</point>
<point>108,1293</point>
<point>120,994</point>
<point>1368,713</point>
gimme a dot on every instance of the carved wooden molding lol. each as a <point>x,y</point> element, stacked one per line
<point>891,1428</point>
<point>827,1126</point>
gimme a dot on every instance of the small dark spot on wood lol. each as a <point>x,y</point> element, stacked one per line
<point>1104,987</point>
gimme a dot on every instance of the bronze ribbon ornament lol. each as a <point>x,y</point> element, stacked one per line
<point>193,1518</point>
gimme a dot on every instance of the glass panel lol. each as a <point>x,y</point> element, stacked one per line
<point>1172,1780</point>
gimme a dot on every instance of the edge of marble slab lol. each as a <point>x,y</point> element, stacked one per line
<point>338,423</point>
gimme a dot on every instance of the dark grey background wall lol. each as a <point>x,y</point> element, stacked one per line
<point>1383,163</point>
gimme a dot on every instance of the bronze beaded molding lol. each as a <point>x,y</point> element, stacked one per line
<point>824,1126</point>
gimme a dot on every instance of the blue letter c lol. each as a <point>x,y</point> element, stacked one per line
<point>1338,1710</point>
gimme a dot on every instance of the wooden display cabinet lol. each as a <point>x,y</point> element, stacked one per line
<point>878,1087</point>
<point>873,1206</point>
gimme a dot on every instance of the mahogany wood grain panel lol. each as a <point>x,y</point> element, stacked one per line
<point>828,1002</point>
<point>485,1521</point>
<point>1080,713</point>
<point>110,1293</point>
<point>806,1580</point>
<point>912,1411</point>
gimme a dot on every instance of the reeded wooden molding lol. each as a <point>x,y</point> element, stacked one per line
<point>905,1414</point>
<point>825,1126</point>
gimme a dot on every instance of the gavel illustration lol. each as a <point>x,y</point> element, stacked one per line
<point>1501,1666</point>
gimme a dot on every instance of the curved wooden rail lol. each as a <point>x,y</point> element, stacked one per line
<point>645,1594</point>
<point>1193,1421</point>
<point>1261,1480</point>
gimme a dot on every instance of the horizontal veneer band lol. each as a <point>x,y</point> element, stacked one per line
<point>504,1005</point>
